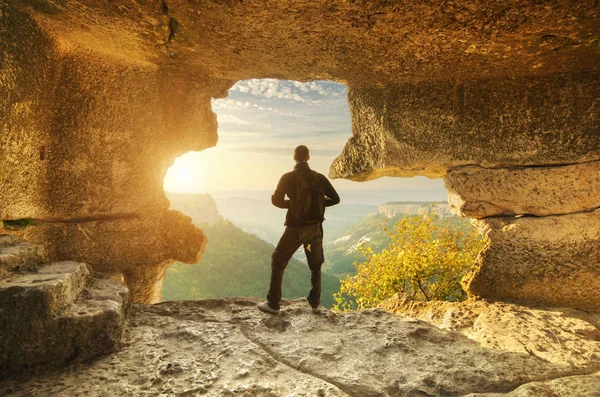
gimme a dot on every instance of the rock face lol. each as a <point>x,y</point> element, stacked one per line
<point>227,348</point>
<point>551,257</point>
<point>427,129</point>
<point>97,100</point>
<point>55,314</point>
<point>202,208</point>
<point>482,192</point>
<point>17,255</point>
<point>553,260</point>
<point>392,209</point>
<point>139,247</point>
<point>88,131</point>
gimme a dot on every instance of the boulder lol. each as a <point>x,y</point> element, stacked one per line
<point>58,315</point>
<point>140,247</point>
<point>552,260</point>
<point>481,192</point>
<point>16,255</point>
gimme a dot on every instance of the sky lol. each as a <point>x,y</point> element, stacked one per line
<point>260,123</point>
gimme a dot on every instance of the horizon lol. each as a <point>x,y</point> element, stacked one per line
<point>348,197</point>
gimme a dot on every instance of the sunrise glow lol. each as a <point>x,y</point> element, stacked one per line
<point>185,176</point>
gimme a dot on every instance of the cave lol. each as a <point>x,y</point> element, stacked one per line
<point>499,99</point>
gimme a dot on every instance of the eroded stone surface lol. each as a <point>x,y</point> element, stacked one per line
<point>17,255</point>
<point>47,291</point>
<point>557,335</point>
<point>361,42</point>
<point>553,260</point>
<point>227,347</point>
<point>427,129</point>
<point>584,386</point>
<point>479,192</point>
<point>139,247</point>
<point>48,319</point>
<point>552,335</point>
<point>93,133</point>
<point>97,99</point>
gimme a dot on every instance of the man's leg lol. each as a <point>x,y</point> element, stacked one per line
<point>314,255</point>
<point>288,244</point>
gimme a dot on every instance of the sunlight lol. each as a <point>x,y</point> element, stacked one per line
<point>185,176</point>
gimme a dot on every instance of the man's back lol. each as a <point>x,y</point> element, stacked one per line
<point>288,186</point>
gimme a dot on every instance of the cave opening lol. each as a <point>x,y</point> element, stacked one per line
<point>227,189</point>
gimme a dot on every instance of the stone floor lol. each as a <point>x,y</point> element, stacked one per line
<point>229,348</point>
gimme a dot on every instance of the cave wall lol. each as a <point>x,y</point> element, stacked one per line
<point>85,150</point>
<point>427,129</point>
<point>98,99</point>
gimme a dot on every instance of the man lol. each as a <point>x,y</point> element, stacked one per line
<point>300,228</point>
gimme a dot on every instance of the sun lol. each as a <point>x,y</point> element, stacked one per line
<point>184,176</point>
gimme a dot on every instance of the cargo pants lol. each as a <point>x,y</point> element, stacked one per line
<point>311,237</point>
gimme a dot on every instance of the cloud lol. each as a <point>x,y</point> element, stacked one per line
<point>231,119</point>
<point>310,93</point>
<point>228,103</point>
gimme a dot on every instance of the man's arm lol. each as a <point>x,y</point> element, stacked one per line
<point>331,196</point>
<point>278,198</point>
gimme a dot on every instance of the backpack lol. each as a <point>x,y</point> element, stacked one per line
<point>310,199</point>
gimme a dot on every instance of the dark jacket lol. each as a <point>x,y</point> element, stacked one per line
<point>287,186</point>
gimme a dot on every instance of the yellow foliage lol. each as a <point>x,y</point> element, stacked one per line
<point>425,260</point>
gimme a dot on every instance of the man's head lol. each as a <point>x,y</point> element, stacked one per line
<point>301,154</point>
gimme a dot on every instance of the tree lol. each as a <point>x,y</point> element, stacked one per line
<point>425,260</point>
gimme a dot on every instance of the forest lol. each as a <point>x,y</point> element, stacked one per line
<point>237,263</point>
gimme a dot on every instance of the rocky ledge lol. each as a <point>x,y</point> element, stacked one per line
<point>227,347</point>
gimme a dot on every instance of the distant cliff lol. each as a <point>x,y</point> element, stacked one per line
<point>393,208</point>
<point>200,207</point>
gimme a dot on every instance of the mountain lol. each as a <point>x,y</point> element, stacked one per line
<point>254,215</point>
<point>340,217</point>
<point>200,207</point>
<point>342,252</point>
<point>237,263</point>
<point>438,208</point>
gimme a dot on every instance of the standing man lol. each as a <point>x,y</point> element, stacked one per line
<point>308,194</point>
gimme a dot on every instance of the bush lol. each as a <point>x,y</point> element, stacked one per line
<point>425,260</point>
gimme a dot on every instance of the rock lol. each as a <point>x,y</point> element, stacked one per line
<point>409,130</point>
<point>553,260</point>
<point>87,133</point>
<point>423,208</point>
<point>48,319</point>
<point>17,255</point>
<point>552,335</point>
<point>94,134</point>
<point>98,99</point>
<point>139,247</point>
<point>360,43</point>
<point>481,192</point>
<point>562,387</point>
<point>46,292</point>
<point>98,318</point>
<point>226,347</point>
